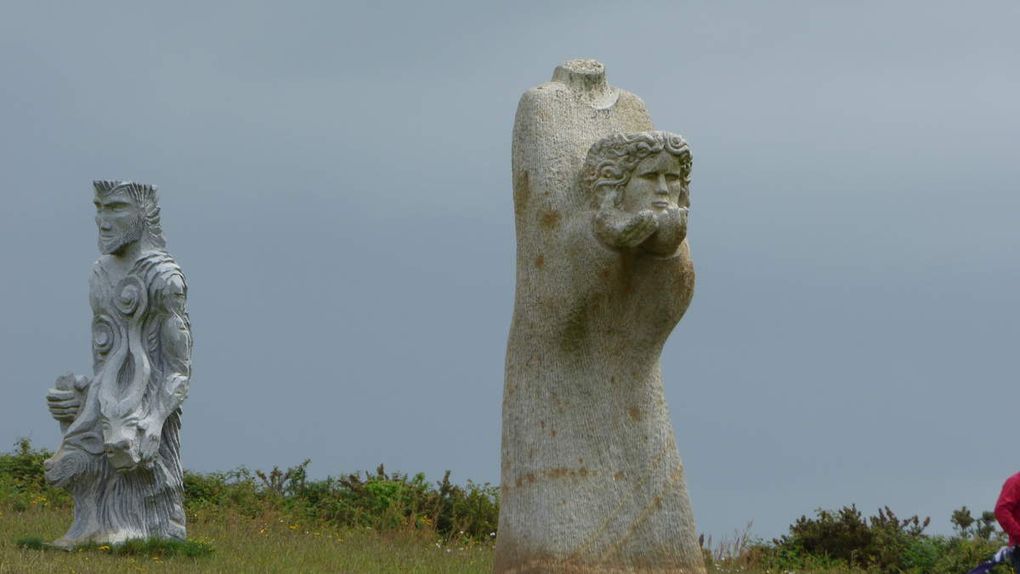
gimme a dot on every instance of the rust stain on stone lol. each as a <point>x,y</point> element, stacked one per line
<point>567,472</point>
<point>541,424</point>
<point>552,433</point>
<point>523,192</point>
<point>618,475</point>
<point>550,219</point>
<point>530,477</point>
<point>540,261</point>
<point>575,330</point>
<point>634,413</point>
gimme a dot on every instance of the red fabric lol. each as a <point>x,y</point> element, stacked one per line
<point>1007,508</point>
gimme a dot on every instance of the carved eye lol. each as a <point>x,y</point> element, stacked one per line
<point>650,176</point>
<point>672,177</point>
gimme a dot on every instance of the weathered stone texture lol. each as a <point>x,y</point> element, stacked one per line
<point>591,478</point>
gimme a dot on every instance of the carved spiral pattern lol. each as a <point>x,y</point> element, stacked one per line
<point>130,298</point>
<point>674,144</point>
<point>102,335</point>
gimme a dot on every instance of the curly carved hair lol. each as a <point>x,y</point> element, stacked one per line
<point>146,197</point>
<point>612,159</point>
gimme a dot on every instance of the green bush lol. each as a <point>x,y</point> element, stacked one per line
<point>844,539</point>
<point>384,500</point>
<point>236,490</point>
<point>381,500</point>
<point>880,542</point>
<point>22,480</point>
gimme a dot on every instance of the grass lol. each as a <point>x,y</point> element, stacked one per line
<point>153,548</point>
<point>267,543</point>
<point>242,544</point>
<point>231,542</point>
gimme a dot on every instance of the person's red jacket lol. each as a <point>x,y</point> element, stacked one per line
<point>1007,508</point>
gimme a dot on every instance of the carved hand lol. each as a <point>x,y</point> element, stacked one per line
<point>637,228</point>
<point>63,405</point>
<point>672,230</point>
<point>674,218</point>
<point>64,400</point>
<point>619,229</point>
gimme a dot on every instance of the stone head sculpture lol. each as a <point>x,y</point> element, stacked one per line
<point>640,185</point>
<point>126,213</point>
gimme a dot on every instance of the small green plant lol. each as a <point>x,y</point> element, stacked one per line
<point>156,547</point>
<point>31,543</point>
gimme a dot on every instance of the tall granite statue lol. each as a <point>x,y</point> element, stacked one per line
<point>591,477</point>
<point>120,453</point>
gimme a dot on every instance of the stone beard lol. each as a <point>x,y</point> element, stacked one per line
<point>120,452</point>
<point>591,480</point>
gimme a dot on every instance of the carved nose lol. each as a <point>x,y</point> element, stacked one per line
<point>115,446</point>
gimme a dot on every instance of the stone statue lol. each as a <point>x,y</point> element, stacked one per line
<point>591,478</point>
<point>120,453</point>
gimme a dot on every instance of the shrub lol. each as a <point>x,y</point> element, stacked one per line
<point>380,500</point>
<point>881,542</point>
<point>22,480</point>
<point>844,539</point>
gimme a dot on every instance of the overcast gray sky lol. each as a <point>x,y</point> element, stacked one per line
<point>335,181</point>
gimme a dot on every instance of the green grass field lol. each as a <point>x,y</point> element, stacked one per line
<point>241,544</point>
<point>272,543</point>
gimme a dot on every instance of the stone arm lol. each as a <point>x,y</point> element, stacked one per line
<point>175,337</point>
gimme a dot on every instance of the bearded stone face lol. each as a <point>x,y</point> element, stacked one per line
<point>119,221</point>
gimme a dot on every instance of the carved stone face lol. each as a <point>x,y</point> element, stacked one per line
<point>122,439</point>
<point>119,221</point>
<point>656,183</point>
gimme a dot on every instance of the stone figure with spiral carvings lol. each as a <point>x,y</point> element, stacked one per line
<point>120,452</point>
